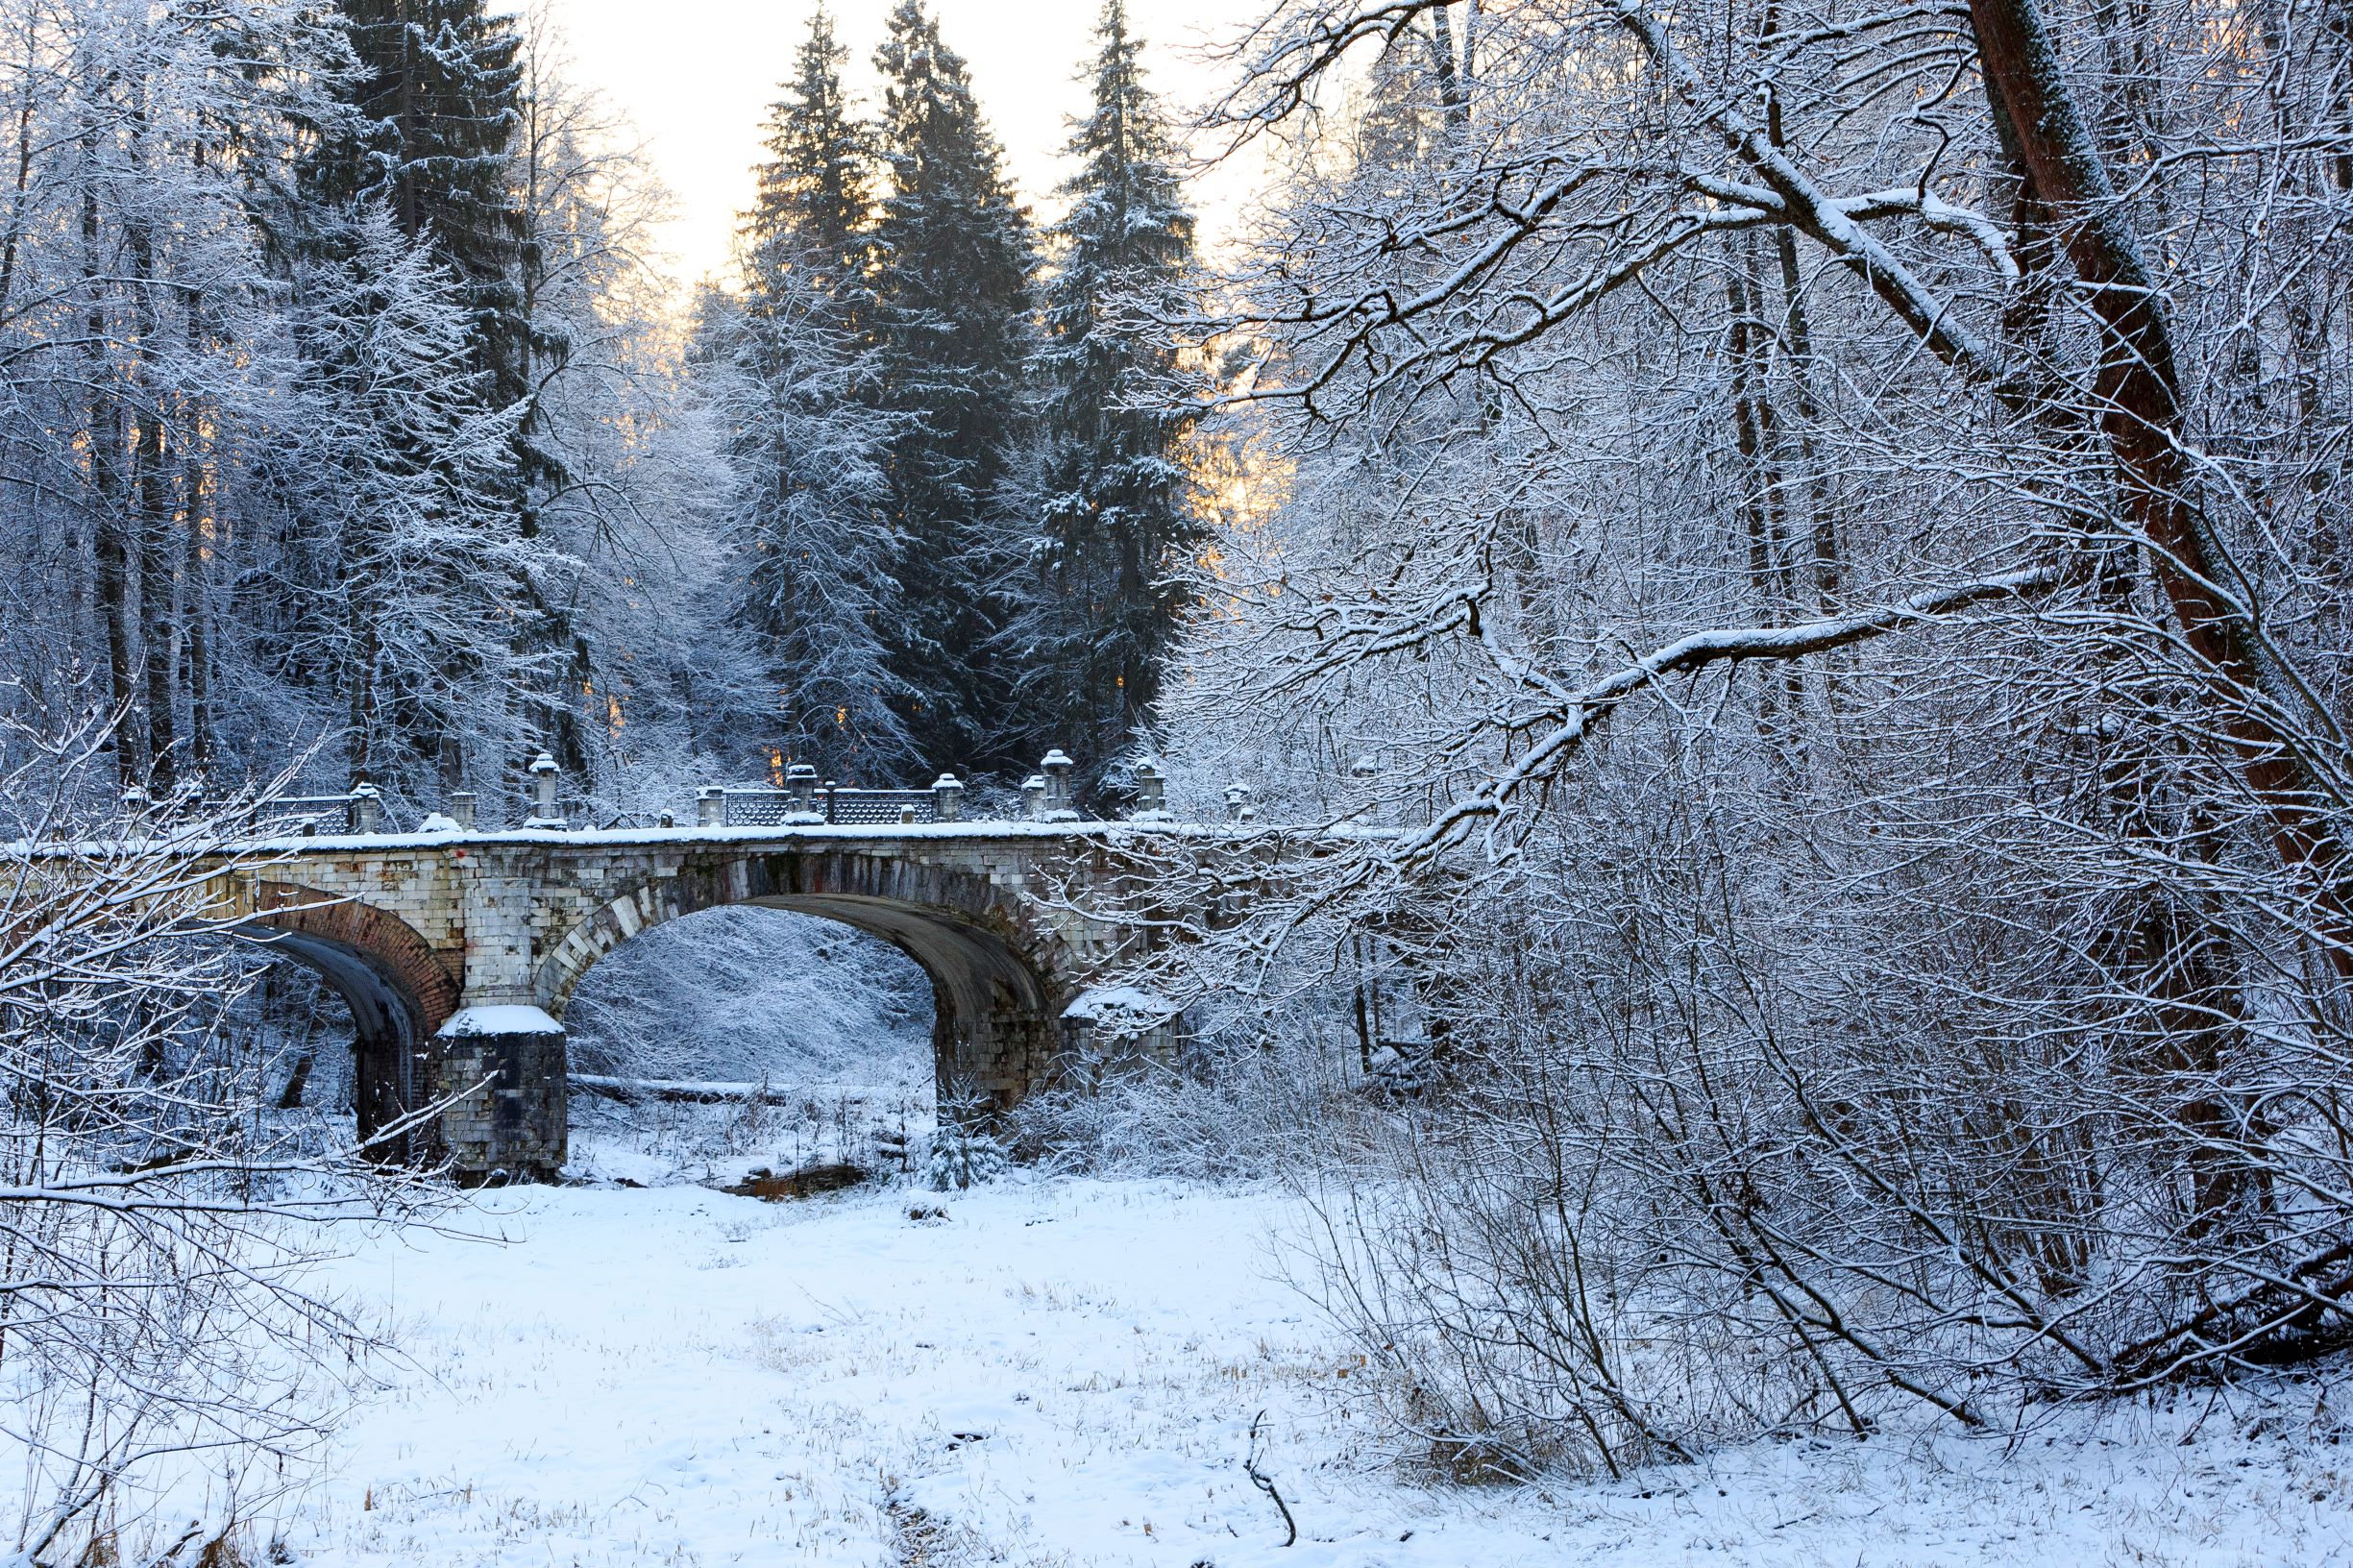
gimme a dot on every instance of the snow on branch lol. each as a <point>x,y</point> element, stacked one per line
<point>1574,718</point>
<point>1938,214</point>
<point>1293,884</point>
<point>1812,209</point>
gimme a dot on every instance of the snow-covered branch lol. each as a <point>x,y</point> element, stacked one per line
<point>1566,726</point>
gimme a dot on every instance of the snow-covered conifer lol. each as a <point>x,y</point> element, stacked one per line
<point>949,349</point>
<point>809,515</point>
<point>395,527</point>
<point>434,103</point>
<point>1115,518</point>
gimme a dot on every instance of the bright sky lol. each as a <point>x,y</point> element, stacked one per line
<point>696,77</point>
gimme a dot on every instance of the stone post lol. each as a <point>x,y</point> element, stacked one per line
<point>1055,767</point>
<point>1238,804</point>
<point>366,810</point>
<point>1033,792</point>
<point>711,806</point>
<point>461,808</point>
<point>544,777</point>
<point>801,783</point>
<point>1151,795</point>
<point>947,799</point>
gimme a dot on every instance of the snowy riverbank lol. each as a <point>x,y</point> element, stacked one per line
<point>1063,1373</point>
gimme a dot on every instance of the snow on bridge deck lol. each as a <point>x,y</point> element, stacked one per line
<point>1106,831</point>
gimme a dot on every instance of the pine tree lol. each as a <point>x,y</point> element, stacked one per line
<point>949,339</point>
<point>1114,490</point>
<point>808,514</point>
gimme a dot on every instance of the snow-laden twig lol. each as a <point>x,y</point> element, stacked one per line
<point>1571,722</point>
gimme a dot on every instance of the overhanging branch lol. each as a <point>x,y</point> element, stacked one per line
<point>1575,719</point>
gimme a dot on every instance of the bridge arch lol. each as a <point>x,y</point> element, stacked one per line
<point>399,990</point>
<point>1000,982</point>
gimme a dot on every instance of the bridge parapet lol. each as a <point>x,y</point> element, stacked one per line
<point>801,799</point>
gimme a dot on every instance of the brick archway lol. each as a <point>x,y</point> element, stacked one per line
<point>999,981</point>
<point>398,988</point>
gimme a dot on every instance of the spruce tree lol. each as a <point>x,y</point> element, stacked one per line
<point>814,211</point>
<point>950,337</point>
<point>808,511</point>
<point>429,122</point>
<point>1114,491</point>
<point>388,475</point>
<point>435,101</point>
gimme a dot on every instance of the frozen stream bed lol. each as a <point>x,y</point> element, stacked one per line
<point>1063,1373</point>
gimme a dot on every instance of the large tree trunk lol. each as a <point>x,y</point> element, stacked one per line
<point>111,561</point>
<point>151,484</point>
<point>2138,388</point>
<point>158,567</point>
<point>26,101</point>
<point>196,613</point>
<point>2195,1000</point>
<point>1763,504</point>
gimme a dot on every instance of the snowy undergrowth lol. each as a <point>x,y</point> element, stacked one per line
<point>831,1025</point>
<point>1062,1374</point>
<point>883,1128</point>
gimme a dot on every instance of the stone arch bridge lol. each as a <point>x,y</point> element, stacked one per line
<point>457,951</point>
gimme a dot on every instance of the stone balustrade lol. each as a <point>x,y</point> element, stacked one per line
<point>802,798</point>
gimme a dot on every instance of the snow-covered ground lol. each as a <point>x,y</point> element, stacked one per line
<point>1063,1373</point>
<point>1056,1373</point>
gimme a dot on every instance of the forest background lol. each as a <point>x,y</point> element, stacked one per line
<point>350,414</point>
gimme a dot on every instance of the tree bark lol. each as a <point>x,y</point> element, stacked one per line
<point>1763,503</point>
<point>109,437</point>
<point>151,484</point>
<point>2139,391</point>
<point>158,567</point>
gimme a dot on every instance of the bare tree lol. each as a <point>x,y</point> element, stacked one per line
<point>158,1315</point>
<point>1806,569</point>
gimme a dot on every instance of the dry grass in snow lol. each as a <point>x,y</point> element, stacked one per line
<point>1062,1375</point>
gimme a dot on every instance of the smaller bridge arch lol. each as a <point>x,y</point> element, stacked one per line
<point>399,990</point>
